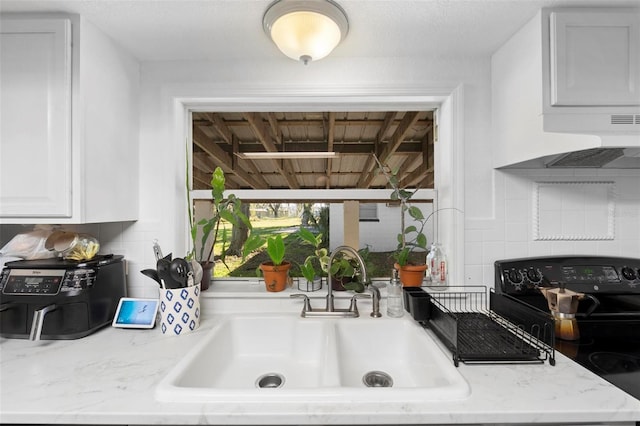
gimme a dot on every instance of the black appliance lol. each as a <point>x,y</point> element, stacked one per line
<point>609,332</point>
<point>59,299</point>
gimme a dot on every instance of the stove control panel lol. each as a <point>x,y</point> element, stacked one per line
<point>584,274</point>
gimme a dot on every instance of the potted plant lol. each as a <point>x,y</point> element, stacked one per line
<point>227,209</point>
<point>411,237</point>
<point>320,255</point>
<point>344,270</point>
<point>276,271</point>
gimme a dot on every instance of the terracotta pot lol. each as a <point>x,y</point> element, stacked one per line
<point>207,271</point>
<point>276,278</point>
<point>411,275</point>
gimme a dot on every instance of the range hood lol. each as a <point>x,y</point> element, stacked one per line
<point>547,113</point>
<point>611,158</point>
<point>613,152</point>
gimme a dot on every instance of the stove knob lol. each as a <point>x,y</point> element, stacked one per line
<point>515,276</point>
<point>534,276</point>
<point>628,273</point>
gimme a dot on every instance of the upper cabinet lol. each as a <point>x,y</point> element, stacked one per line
<point>594,59</point>
<point>568,81</point>
<point>69,123</point>
<point>35,78</point>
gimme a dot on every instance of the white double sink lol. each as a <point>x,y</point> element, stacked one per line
<point>267,357</point>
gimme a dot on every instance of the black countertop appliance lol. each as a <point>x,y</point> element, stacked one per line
<point>60,299</point>
<point>608,318</point>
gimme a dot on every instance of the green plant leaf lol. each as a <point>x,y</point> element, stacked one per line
<point>416,213</point>
<point>356,286</point>
<point>307,237</point>
<point>275,249</point>
<point>307,269</point>
<point>421,241</point>
<point>410,228</point>
<point>217,185</point>
<point>254,242</point>
<point>229,217</point>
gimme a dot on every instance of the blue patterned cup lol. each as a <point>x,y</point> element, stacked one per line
<point>179,310</point>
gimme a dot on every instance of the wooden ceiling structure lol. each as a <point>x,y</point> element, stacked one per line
<point>403,140</point>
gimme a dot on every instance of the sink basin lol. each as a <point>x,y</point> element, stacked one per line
<point>255,358</point>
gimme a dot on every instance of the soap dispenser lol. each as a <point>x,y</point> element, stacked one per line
<point>394,296</point>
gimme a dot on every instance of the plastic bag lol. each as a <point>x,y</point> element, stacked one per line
<point>29,246</point>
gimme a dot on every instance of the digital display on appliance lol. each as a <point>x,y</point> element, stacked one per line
<point>33,280</point>
<point>136,313</point>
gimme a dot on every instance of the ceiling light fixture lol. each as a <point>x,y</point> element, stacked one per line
<point>286,155</point>
<point>305,30</point>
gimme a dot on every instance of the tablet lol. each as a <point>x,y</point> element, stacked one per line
<point>136,313</point>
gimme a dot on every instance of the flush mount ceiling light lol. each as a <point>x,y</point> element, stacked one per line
<point>286,155</point>
<point>305,30</point>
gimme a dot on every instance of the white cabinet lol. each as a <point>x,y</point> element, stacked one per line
<point>569,80</point>
<point>35,135</point>
<point>70,114</point>
<point>594,58</point>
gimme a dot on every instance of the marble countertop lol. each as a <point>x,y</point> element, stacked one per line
<point>110,378</point>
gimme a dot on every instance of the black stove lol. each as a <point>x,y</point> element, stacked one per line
<point>609,342</point>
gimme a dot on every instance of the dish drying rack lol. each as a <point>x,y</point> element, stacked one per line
<point>479,332</point>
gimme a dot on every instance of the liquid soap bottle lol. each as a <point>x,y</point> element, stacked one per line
<point>438,267</point>
<point>394,296</point>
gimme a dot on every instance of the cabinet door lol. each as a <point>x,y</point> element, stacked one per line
<point>35,119</point>
<point>594,58</point>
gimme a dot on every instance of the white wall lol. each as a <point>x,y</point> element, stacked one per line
<point>381,235</point>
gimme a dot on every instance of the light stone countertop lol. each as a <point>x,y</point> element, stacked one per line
<point>110,378</point>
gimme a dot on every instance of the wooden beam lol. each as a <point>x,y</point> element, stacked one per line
<point>259,129</point>
<point>318,123</point>
<point>331,127</point>
<point>222,159</point>
<point>220,126</point>
<point>275,127</point>
<point>416,177</point>
<point>405,125</point>
<point>384,127</point>
<point>364,147</point>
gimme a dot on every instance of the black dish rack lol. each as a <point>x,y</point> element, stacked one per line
<point>502,331</point>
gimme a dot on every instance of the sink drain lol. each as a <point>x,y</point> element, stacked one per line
<point>377,379</point>
<point>270,381</point>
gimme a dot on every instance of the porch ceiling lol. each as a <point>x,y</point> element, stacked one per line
<point>401,139</point>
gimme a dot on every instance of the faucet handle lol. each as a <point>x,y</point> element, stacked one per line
<point>354,306</point>
<point>307,302</point>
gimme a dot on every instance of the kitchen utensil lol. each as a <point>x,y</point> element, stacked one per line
<point>163,266</point>
<point>563,304</point>
<point>197,272</point>
<point>179,270</point>
<point>153,274</point>
<point>157,251</point>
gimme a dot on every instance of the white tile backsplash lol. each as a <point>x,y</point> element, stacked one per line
<point>575,207</point>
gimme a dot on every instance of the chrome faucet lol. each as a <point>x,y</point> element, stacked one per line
<point>330,309</point>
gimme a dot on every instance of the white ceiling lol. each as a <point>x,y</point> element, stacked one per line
<point>155,30</point>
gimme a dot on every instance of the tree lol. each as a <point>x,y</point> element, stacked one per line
<point>239,234</point>
<point>275,208</point>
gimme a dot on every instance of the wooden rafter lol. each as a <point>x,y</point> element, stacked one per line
<point>220,126</point>
<point>223,159</point>
<point>398,138</point>
<point>284,168</point>
<point>331,128</point>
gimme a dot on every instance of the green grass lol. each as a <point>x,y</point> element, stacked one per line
<point>379,264</point>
